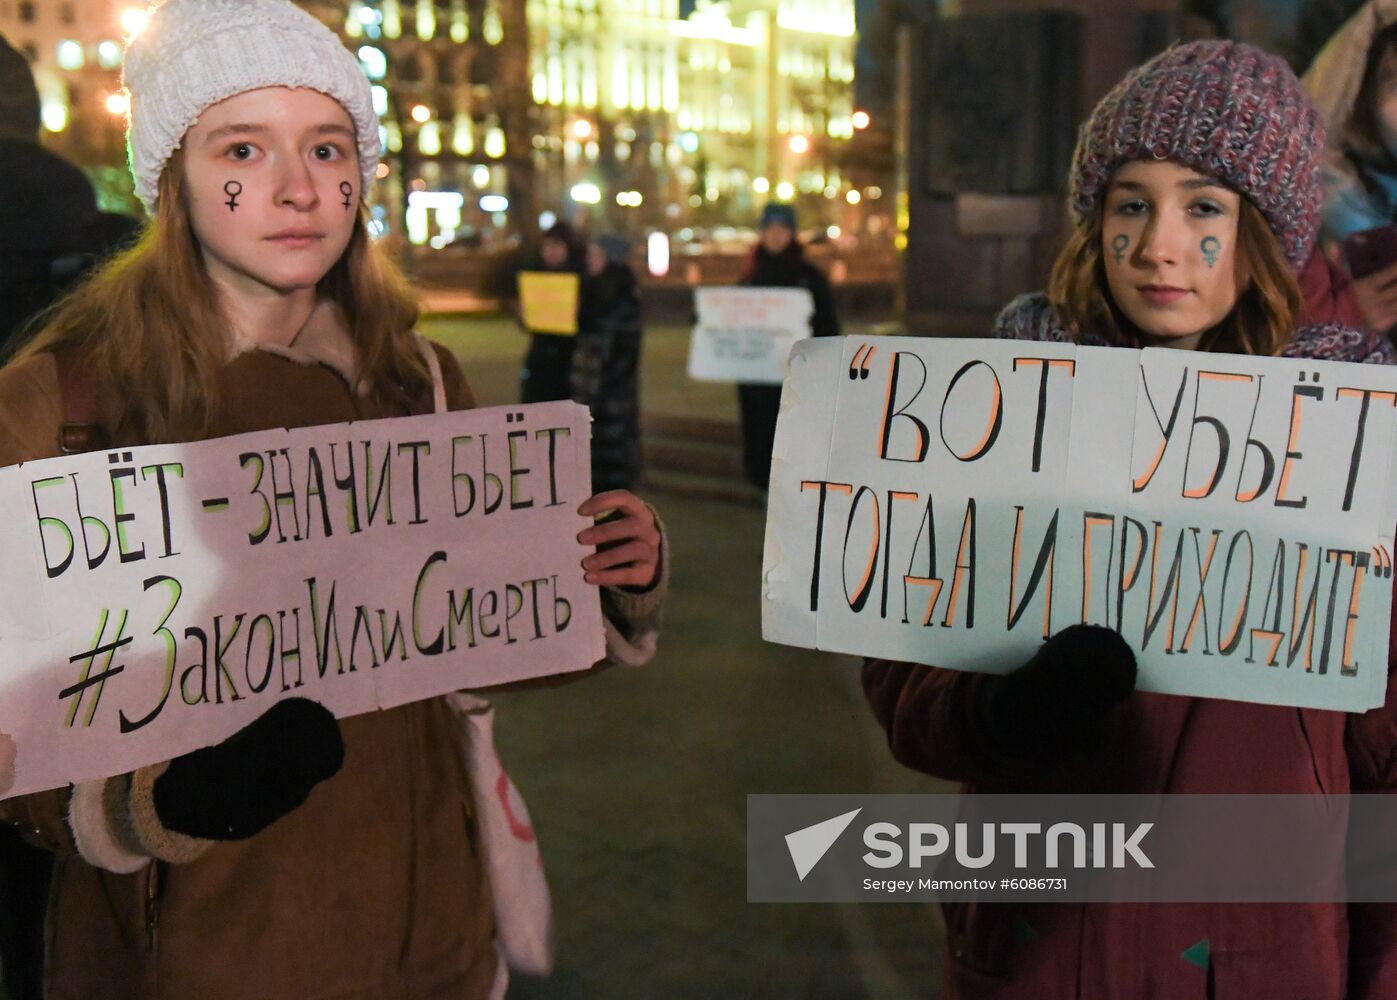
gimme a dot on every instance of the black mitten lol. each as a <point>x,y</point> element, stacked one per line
<point>1058,701</point>
<point>236,788</point>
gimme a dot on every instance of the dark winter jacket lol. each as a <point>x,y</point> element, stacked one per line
<point>760,404</point>
<point>606,374</point>
<point>548,363</point>
<point>50,232</point>
<point>790,269</point>
<point>1157,743</point>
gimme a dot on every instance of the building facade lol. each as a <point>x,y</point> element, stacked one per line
<point>620,113</point>
<point>651,120</point>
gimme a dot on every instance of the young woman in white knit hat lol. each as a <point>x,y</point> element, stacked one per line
<point>305,857</point>
<point>1196,193</point>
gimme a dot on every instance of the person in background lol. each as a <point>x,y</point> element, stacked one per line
<point>548,364</point>
<point>778,261</point>
<point>1190,232</point>
<point>1353,82</point>
<point>606,363</point>
<point>51,232</point>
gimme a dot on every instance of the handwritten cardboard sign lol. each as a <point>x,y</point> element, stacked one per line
<point>158,599</point>
<point>746,334</point>
<point>549,301</point>
<point>955,502</point>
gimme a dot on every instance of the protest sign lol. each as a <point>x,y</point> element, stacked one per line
<point>157,599</point>
<point>746,334</point>
<point>548,300</point>
<point>956,502</point>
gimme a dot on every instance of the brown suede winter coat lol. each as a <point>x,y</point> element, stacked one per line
<point>372,889</point>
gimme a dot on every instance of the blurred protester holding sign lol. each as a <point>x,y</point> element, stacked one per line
<point>1191,230</point>
<point>1353,82</point>
<point>548,312</point>
<point>778,261</point>
<point>304,856</point>
<point>606,362</point>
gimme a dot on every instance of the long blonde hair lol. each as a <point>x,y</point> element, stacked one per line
<point>148,324</point>
<point>1262,321</point>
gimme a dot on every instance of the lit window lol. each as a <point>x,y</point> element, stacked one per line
<point>54,116</point>
<point>463,135</point>
<point>109,54</point>
<point>392,19</point>
<point>494,142</point>
<point>70,55</point>
<point>429,139</point>
<point>555,80</point>
<point>380,99</point>
<point>426,19</point>
<point>493,28</point>
<point>620,82</point>
<point>375,63</point>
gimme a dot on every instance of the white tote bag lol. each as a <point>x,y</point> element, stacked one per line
<point>523,908</point>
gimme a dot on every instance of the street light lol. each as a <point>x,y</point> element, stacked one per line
<point>860,120</point>
<point>798,144</point>
<point>582,129</point>
<point>118,104</point>
<point>421,114</point>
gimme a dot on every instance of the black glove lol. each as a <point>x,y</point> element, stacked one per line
<point>1057,702</point>
<point>237,788</point>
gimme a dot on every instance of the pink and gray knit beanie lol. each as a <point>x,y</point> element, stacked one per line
<point>1225,109</point>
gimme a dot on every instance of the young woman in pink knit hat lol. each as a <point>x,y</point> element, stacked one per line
<point>1196,193</point>
<point>305,856</point>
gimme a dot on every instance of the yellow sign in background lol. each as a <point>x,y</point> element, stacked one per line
<point>549,301</point>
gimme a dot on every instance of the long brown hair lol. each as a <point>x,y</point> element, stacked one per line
<point>1261,322</point>
<point>148,322</point>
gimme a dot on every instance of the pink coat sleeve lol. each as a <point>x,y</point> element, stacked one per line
<point>933,718</point>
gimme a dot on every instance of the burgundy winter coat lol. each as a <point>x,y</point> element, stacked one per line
<point>1158,743</point>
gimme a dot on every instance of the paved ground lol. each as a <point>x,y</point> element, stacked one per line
<point>637,779</point>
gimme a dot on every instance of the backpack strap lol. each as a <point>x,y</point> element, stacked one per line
<point>429,355</point>
<point>79,431</point>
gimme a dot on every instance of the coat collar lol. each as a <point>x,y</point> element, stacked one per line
<point>324,340</point>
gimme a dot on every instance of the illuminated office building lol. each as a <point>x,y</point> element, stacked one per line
<point>614,109</point>
<point>455,131</point>
<point>654,119</point>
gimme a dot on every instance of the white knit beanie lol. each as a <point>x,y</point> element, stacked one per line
<point>194,53</point>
